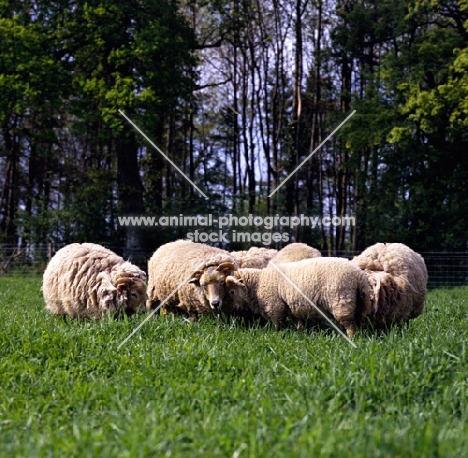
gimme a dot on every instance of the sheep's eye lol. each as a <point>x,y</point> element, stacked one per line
<point>232,292</point>
<point>134,295</point>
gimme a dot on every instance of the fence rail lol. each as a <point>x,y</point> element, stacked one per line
<point>444,268</point>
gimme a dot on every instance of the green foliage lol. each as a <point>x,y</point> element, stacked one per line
<point>28,72</point>
<point>214,387</point>
<point>431,98</point>
<point>408,138</point>
<point>65,71</point>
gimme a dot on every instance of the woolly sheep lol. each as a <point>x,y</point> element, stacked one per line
<point>398,277</point>
<point>295,252</point>
<point>87,281</point>
<point>188,278</point>
<point>254,257</point>
<point>335,285</point>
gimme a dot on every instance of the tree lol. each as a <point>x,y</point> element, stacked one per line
<point>32,84</point>
<point>66,70</point>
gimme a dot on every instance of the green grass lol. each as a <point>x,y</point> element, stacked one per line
<point>220,389</point>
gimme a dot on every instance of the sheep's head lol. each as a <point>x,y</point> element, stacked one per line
<point>212,280</point>
<point>242,290</point>
<point>385,289</point>
<point>237,292</point>
<point>104,293</point>
<point>374,281</point>
<point>131,294</point>
<point>107,298</point>
<point>126,270</point>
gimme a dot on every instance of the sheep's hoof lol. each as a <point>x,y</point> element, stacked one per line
<point>300,325</point>
<point>278,326</point>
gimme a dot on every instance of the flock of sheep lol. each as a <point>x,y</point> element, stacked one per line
<point>386,284</point>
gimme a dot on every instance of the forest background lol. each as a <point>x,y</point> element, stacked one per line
<point>237,93</point>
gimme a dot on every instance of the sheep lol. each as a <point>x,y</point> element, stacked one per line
<point>88,281</point>
<point>335,285</point>
<point>290,253</point>
<point>295,252</point>
<point>188,278</point>
<point>398,277</point>
<point>254,257</point>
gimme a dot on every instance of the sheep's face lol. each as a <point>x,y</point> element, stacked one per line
<point>131,295</point>
<point>107,298</point>
<point>381,283</point>
<point>212,281</point>
<point>237,292</point>
<point>104,294</point>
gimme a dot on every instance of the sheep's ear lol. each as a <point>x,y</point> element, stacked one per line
<point>233,281</point>
<point>195,278</point>
<point>226,266</point>
<point>124,284</point>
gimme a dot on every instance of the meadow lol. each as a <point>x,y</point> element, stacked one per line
<point>219,388</point>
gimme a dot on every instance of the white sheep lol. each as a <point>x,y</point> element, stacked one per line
<point>87,281</point>
<point>335,285</point>
<point>254,257</point>
<point>295,252</point>
<point>398,276</point>
<point>187,277</point>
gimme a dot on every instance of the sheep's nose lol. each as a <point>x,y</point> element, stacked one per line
<point>215,303</point>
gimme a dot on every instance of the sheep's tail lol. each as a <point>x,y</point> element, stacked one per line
<point>363,300</point>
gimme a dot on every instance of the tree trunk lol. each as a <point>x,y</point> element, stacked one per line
<point>130,188</point>
<point>9,196</point>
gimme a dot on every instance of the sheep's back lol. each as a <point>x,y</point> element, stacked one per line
<point>172,264</point>
<point>254,257</point>
<point>295,252</point>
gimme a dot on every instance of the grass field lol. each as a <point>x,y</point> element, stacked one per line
<point>220,389</point>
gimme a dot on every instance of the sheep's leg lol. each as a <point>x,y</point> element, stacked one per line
<point>278,314</point>
<point>153,304</point>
